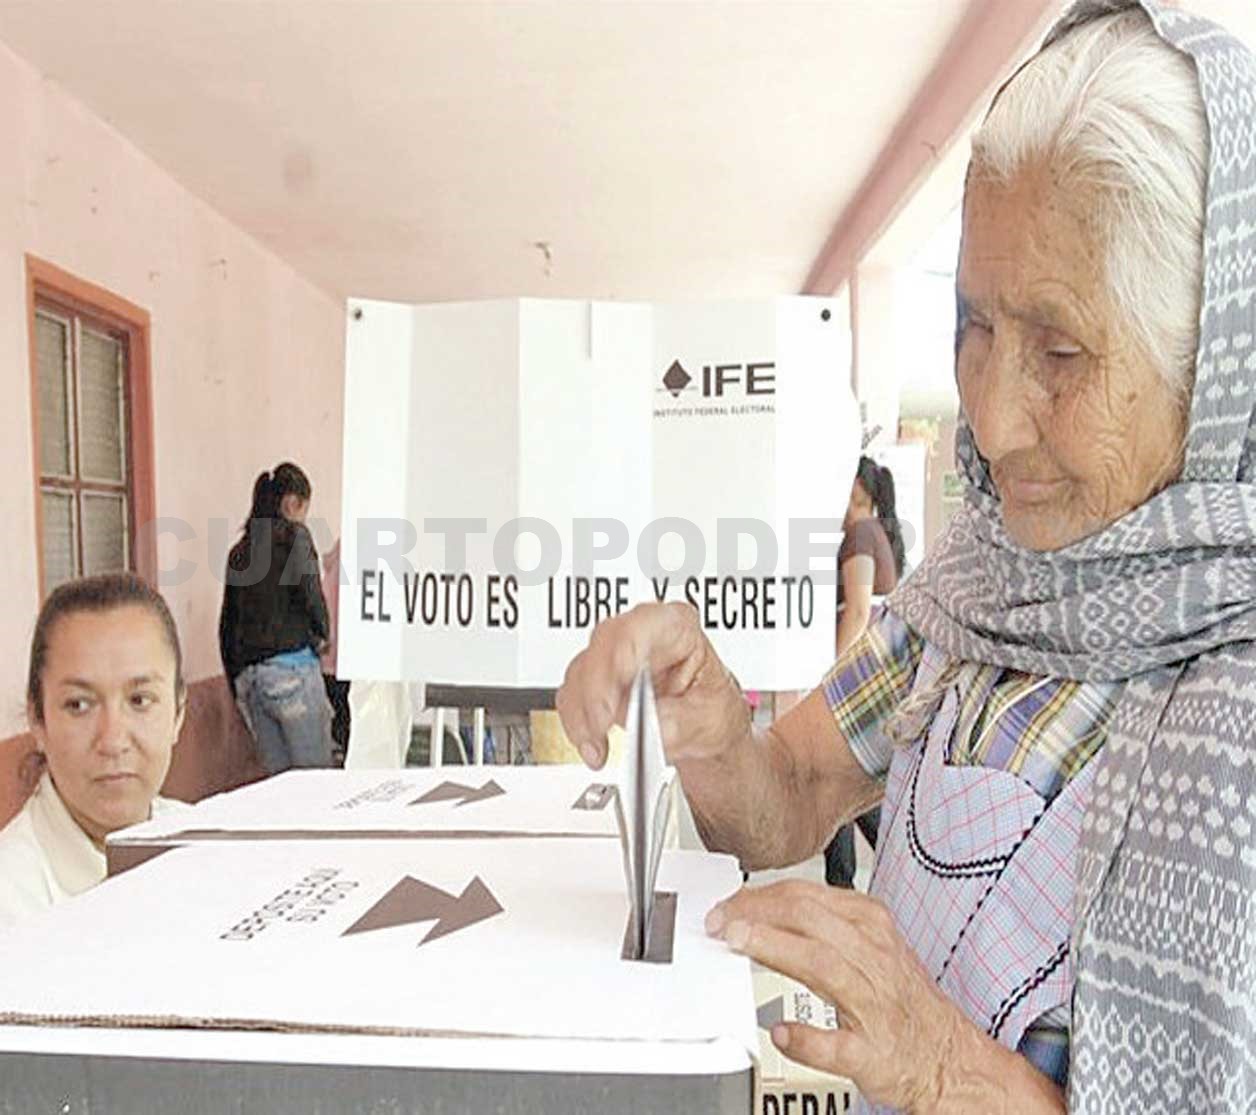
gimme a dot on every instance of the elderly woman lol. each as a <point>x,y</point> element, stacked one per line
<point>105,699</point>
<point>1059,710</point>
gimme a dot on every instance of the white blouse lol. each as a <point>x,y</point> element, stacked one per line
<point>46,858</point>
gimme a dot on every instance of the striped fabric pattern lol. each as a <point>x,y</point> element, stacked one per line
<point>868,682</point>
<point>1043,729</point>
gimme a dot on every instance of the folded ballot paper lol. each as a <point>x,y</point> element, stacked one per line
<point>645,803</point>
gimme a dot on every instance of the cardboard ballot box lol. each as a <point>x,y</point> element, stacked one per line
<point>788,1088</point>
<point>324,804</point>
<point>270,975</point>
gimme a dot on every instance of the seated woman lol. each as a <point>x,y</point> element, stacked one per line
<point>105,699</point>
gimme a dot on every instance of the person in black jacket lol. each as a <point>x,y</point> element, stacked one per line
<point>274,623</point>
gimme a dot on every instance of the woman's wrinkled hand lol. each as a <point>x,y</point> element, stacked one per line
<point>700,708</point>
<point>896,1028</point>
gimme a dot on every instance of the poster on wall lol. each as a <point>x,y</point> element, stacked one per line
<point>517,471</point>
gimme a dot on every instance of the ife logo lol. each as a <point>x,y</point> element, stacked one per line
<point>719,381</point>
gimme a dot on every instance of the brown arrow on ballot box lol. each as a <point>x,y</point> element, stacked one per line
<point>412,901</point>
<point>463,795</point>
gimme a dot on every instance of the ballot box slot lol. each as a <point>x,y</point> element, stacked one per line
<point>660,936</point>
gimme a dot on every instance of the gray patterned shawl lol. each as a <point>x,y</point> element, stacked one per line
<point>1164,1011</point>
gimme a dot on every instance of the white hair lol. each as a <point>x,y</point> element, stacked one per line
<point>1112,107</point>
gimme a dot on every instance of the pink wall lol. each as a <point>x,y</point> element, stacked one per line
<point>247,356</point>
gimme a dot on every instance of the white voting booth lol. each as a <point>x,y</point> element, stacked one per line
<point>516,471</point>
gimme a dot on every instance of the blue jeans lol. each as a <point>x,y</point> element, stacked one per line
<point>285,707</point>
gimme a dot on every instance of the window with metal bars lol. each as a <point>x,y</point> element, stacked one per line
<point>81,368</point>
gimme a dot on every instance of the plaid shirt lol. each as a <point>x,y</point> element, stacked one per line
<point>1044,730</point>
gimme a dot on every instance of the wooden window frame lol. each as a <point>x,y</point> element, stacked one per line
<point>49,285</point>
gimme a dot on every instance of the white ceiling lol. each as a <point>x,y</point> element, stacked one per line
<point>422,151</point>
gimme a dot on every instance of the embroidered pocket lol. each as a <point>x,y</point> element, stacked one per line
<point>966,820</point>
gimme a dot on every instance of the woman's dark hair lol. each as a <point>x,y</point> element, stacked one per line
<point>269,489</point>
<point>102,593</point>
<point>878,482</point>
